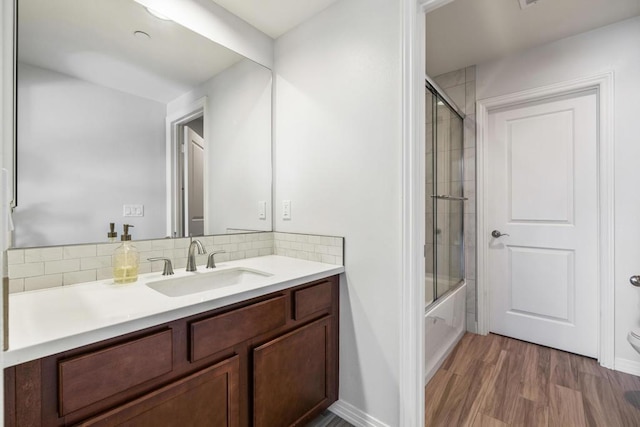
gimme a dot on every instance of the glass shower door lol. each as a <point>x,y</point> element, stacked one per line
<point>445,199</point>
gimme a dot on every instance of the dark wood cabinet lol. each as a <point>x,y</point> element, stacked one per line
<point>209,397</point>
<point>269,361</point>
<point>293,377</point>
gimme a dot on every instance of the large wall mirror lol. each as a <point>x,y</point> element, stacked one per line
<point>126,117</point>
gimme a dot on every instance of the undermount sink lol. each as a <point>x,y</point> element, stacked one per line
<point>206,281</point>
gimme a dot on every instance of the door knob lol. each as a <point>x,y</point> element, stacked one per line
<point>496,234</point>
<point>635,280</point>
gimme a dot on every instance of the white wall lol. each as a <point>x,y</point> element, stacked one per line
<point>612,48</point>
<point>84,151</point>
<point>238,127</point>
<point>338,158</point>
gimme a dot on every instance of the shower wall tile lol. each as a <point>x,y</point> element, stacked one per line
<point>470,98</point>
<point>450,79</point>
<point>470,263</point>
<point>470,131</point>
<point>470,194</point>
<point>458,95</point>
<point>469,164</point>
<point>470,73</point>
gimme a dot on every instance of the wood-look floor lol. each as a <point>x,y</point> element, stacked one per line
<point>492,381</point>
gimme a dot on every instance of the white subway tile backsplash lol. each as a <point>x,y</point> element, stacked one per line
<point>16,285</point>
<point>42,282</point>
<point>67,265</point>
<point>163,244</point>
<point>42,254</point>
<point>107,249</point>
<point>81,251</point>
<point>221,240</point>
<point>15,256</point>
<point>79,277</point>
<point>32,269</point>
<point>95,262</point>
<point>63,266</point>
<point>326,249</point>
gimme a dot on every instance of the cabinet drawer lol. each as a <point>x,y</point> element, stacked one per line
<point>214,334</point>
<point>207,398</point>
<point>311,300</point>
<point>89,378</point>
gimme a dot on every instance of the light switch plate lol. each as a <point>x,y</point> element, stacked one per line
<point>286,209</point>
<point>262,209</point>
<point>133,210</point>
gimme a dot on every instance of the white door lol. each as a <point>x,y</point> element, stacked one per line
<point>542,192</point>
<point>194,180</point>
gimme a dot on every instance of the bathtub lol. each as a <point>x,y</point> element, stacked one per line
<point>445,324</point>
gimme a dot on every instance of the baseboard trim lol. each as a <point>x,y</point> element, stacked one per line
<point>355,416</point>
<point>627,366</point>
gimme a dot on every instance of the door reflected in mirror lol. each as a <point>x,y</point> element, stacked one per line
<point>105,95</point>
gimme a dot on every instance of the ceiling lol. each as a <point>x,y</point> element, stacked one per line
<point>274,17</point>
<point>470,32</point>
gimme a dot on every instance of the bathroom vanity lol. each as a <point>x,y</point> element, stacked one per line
<point>268,359</point>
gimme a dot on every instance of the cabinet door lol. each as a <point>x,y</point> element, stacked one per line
<point>294,375</point>
<point>209,397</point>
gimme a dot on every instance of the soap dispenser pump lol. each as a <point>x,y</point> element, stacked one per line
<point>112,234</point>
<point>126,259</point>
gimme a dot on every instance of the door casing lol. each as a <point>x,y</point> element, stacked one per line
<point>603,84</point>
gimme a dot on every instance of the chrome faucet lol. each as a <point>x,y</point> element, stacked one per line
<point>191,257</point>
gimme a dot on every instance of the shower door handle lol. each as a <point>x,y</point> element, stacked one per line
<point>496,234</point>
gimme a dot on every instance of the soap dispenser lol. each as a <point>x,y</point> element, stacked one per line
<point>112,234</point>
<point>125,259</point>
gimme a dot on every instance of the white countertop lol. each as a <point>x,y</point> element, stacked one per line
<point>49,321</point>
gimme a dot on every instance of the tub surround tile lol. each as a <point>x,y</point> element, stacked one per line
<point>450,79</point>
<point>470,73</point>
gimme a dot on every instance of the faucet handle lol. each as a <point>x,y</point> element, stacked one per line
<point>210,261</point>
<point>168,268</point>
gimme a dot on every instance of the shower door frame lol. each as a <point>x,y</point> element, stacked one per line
<point>439,94</point>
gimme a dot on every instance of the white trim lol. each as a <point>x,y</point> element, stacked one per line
<point>181,116</point>
<point>355,416</point>
<point>411,334</point>
<point>430,5</point>
<point>627,366</point>
<point>604,85</point>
